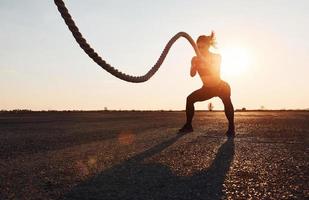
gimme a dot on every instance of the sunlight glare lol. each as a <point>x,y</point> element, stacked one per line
<point>235,61</point>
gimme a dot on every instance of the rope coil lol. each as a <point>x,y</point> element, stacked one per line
<point>96,58</point>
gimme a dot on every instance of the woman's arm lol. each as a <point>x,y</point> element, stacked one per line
<point>193,69</point>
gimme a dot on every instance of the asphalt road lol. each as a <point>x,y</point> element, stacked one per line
<point>139,155</point>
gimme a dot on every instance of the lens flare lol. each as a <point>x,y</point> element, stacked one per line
<point>235,61</point>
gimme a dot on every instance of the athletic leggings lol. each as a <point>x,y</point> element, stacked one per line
<point>223,91</point>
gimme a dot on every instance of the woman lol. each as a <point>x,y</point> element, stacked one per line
<point>208,68</point>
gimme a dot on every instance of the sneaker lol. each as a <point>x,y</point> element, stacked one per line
<point>187,128</point>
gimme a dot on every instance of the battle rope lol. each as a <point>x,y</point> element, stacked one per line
<point>96,58</point>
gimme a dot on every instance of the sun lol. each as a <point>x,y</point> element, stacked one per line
<point>235,61</point>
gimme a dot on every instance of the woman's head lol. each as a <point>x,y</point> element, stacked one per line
<point>205,41</point>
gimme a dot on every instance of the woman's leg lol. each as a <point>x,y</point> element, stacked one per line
<point>229,113</point>
<point>228,107</point>
<point>198,95</point>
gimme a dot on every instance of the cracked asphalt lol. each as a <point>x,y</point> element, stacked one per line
<point>139,155</point>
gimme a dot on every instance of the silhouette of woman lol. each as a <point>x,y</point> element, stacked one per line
<point>208,68</point>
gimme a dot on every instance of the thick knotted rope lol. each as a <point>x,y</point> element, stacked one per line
<point>96,58</point>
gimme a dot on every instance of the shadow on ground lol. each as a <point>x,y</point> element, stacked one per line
<point>134,179</point>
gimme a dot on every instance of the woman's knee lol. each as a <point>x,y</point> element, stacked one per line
<point>190,99</point>
<point>227,103</point>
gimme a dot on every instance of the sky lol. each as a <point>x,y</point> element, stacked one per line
<point>43,68</point>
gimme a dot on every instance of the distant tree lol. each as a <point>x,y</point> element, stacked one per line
<point>243,109</point>
<point>105,109</point>
<point>210,106</point>
<point>262,108</point>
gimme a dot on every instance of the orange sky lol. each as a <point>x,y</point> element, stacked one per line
<point>41,66</point>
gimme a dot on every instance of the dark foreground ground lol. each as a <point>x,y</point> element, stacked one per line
<point>138,155</point>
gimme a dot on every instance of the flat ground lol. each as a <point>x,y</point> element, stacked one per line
<point>138,155</point>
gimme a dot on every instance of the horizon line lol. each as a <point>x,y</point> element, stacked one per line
<point>147,110</point>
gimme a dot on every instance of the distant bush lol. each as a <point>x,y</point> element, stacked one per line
<point>210,106</point>
<point>21,111</point>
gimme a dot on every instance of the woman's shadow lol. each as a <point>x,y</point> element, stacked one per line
<point>134,179</point>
